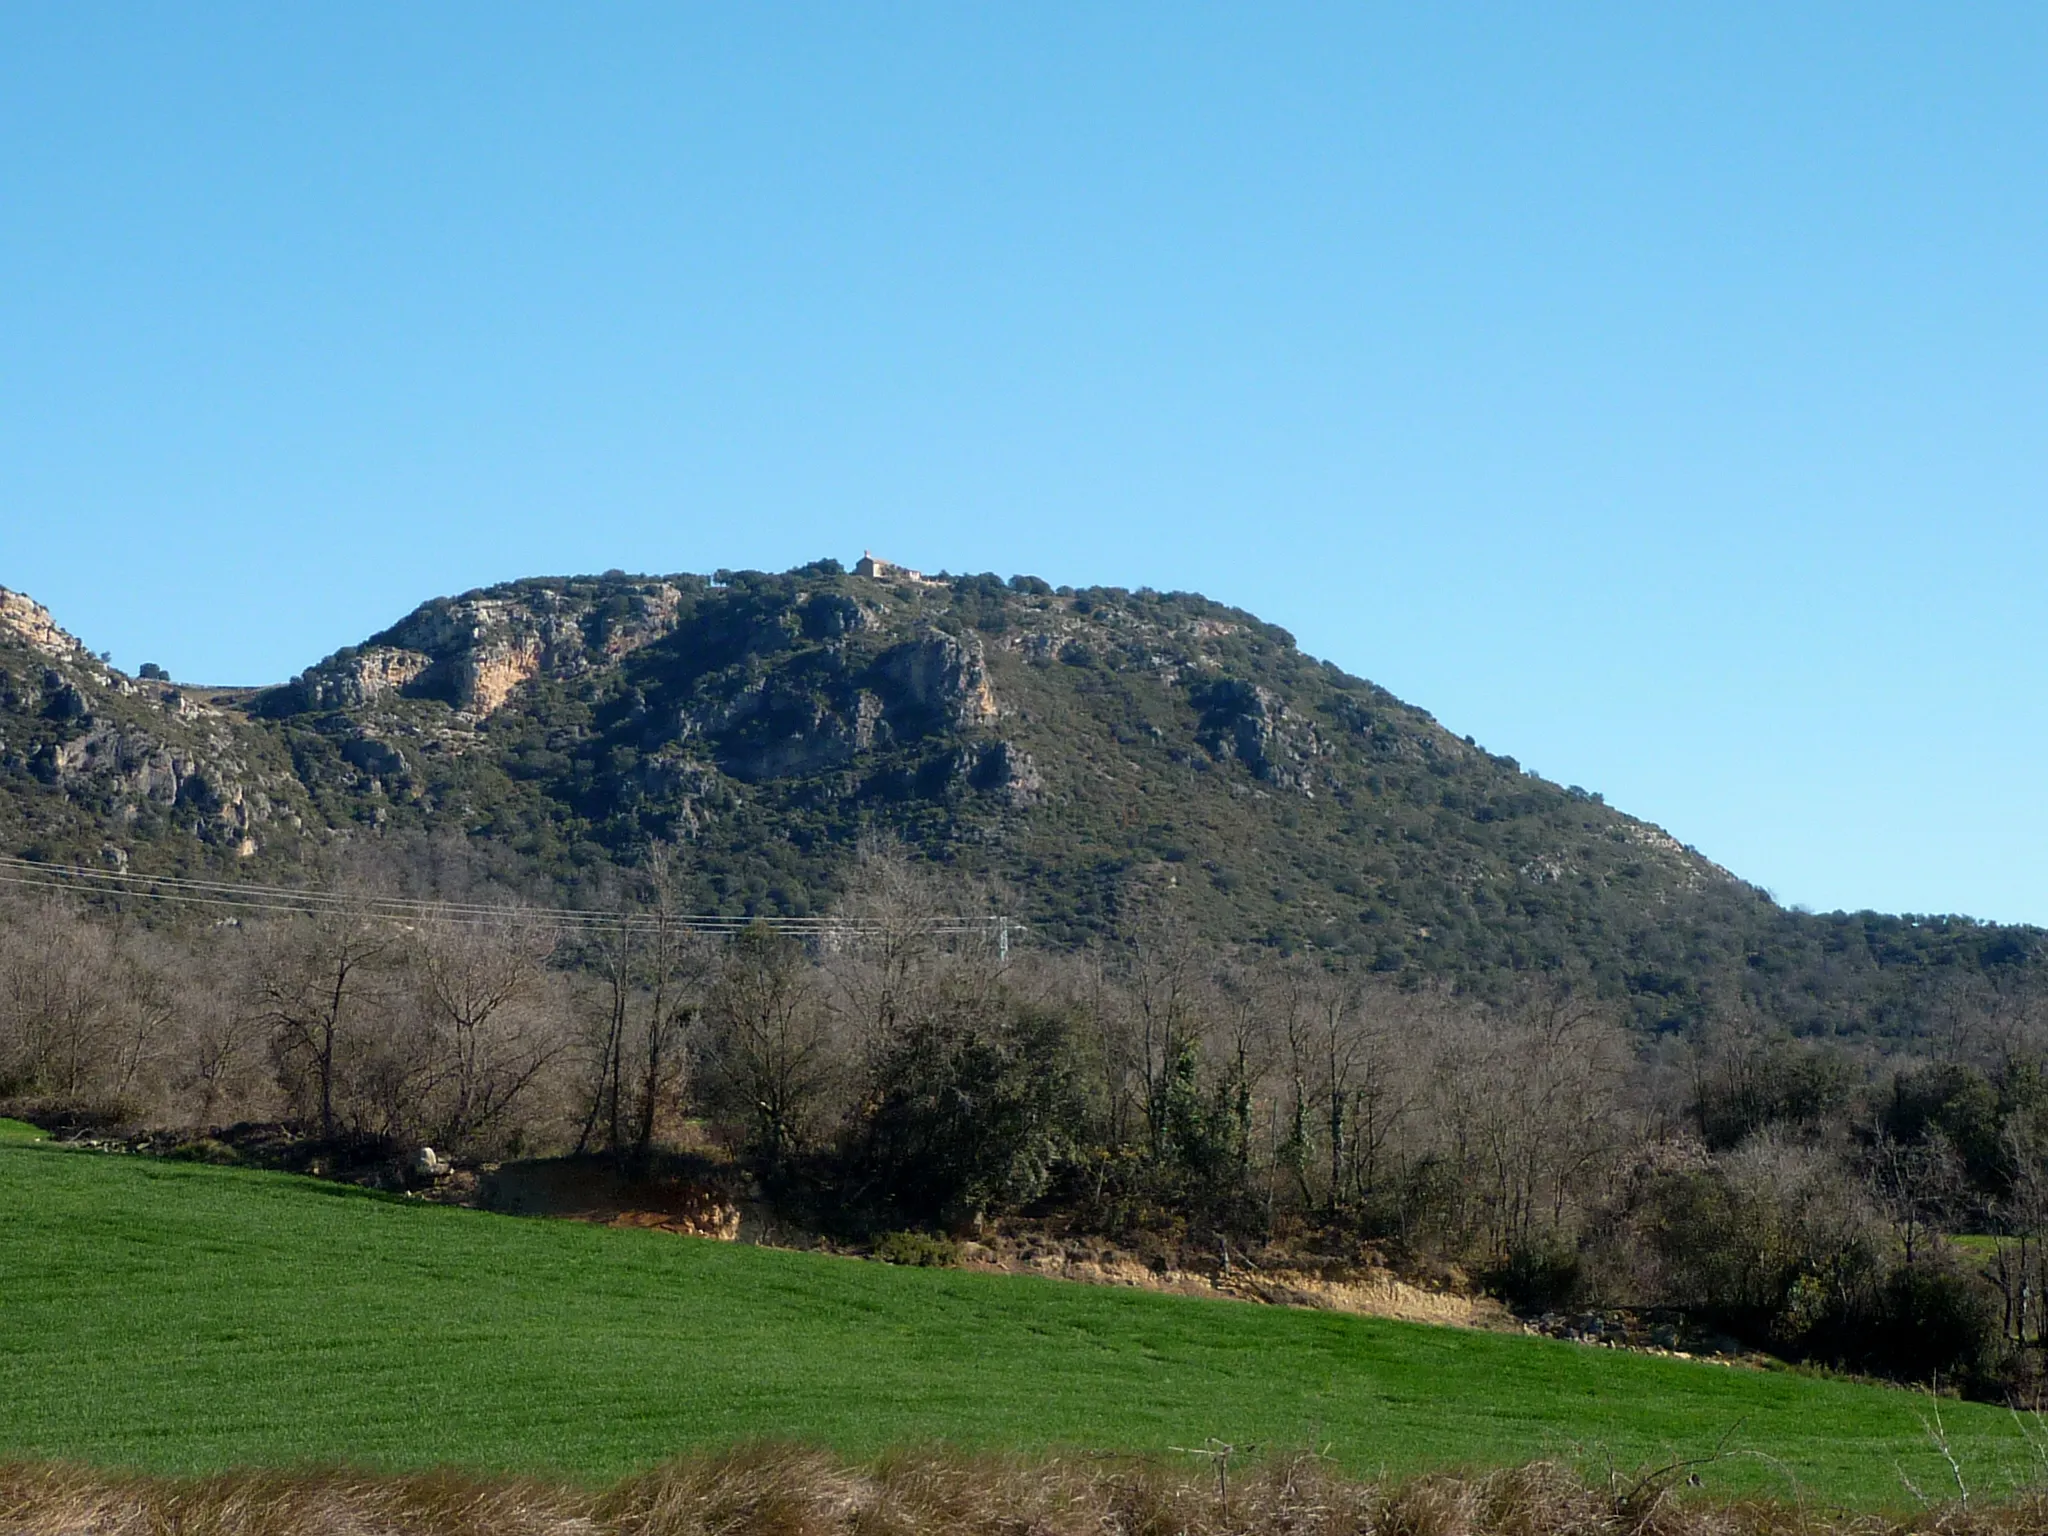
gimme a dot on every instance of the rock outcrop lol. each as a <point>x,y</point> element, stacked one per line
<point>475,652</point>
<point>944,674</point>
<point>355,678</point>
<point>208,784</point>
<point>125,756</point>
<point>28,620</point>
<point>483,648</point>
<point>1254,725</point>
<point>1010,772</point>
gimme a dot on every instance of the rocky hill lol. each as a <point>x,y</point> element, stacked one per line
<point>94,763</point>
<point>1091,750</point>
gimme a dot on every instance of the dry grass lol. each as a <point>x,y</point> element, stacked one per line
<point>44,1500</point>
<point>782,1491</point>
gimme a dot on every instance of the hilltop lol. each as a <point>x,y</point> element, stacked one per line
<point>1092,751</point>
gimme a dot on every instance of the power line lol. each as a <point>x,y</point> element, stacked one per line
<point>254,896</point>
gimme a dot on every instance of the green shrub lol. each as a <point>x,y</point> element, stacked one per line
<point>1934,1322</point>
<point>920,1250</point>
<point>1540,1276</point>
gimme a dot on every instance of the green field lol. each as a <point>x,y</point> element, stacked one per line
<point>184,1318</point>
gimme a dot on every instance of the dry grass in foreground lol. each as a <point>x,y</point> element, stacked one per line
<point>781,1491</point>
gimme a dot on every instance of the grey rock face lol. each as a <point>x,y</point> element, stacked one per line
<point>375,757</point>
<point>350,682</point>
<point>1010,772</point>
<point>1252,724</point>
<point>475,651</point>
<point>944,675</point>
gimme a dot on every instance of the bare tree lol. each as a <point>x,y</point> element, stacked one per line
<point>1165,975</point>
<point>86,1007</point>
<point>1352,1051</point>
<point>1990,1017</point>
<point>1242,1025</point>
<point>651,967</point>
<point>882,961</point>
<point>219,1068</point>
<point>144,974</point>
<point>1795,1212</point>
<point>1113,1043</point>
<point>482,992</point>
<point>1528,1099</point>
<point>2019,1262</point>
<point>767,1057</point>
<point>315,984</point>
<point>1915,1185</point>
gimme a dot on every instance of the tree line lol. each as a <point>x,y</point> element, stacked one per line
<point>1801,1196</point>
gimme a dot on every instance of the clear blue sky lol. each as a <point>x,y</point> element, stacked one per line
<point>1659,394</point>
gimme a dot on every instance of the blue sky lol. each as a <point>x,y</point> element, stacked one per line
<point>1655,393</point>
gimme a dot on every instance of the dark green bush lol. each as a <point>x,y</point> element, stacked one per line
<point>918,1250</point>
<point>1933,1323</point>
<point>968,1117</point>
<point>1540,1277</point>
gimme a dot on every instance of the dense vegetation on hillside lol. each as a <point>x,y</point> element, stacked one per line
<point>1092,753</point>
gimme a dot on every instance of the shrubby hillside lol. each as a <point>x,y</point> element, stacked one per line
<point>1090,753</point>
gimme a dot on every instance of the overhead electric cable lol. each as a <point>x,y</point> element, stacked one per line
<point>255,896</point>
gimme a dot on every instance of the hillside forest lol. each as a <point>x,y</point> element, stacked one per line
<point>1802,1196</point>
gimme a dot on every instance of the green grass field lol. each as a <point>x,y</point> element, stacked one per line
<point>178,1317</point>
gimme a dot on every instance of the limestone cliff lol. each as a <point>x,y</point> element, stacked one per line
<point>353,679</point>
<point>29,621</point>
<point>946,674</point>
<point>473,652</point>
<point>116,758</point>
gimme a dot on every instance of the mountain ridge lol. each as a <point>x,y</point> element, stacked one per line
<point>1097,750</point>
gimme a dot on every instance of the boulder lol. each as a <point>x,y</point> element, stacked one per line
<point>426,1165</point>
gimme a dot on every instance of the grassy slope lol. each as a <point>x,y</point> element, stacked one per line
<point>180,1317</point>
